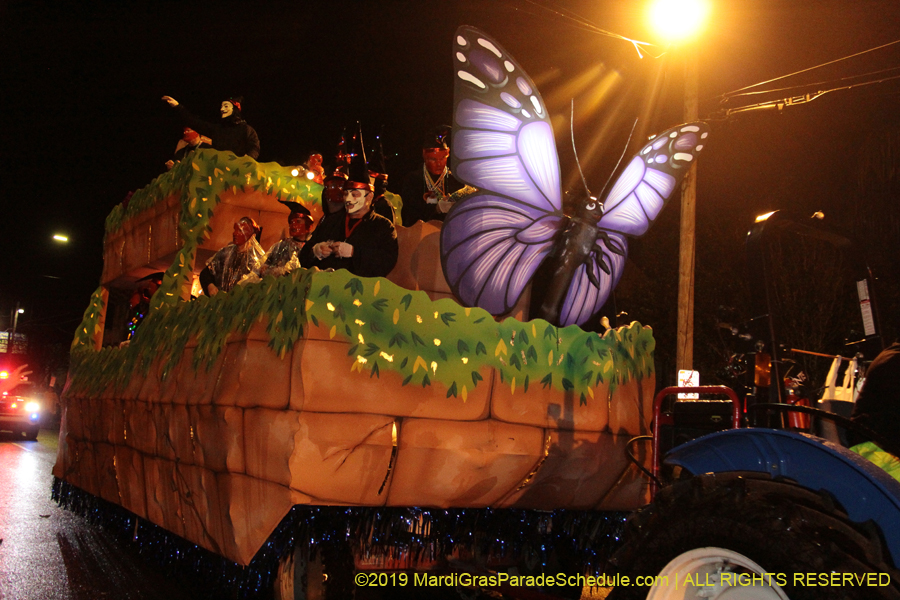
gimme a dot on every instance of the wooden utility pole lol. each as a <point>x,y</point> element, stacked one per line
<point>684,355</point>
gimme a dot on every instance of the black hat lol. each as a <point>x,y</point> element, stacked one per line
<point>296,208</point>
<point>439,137</point>
<point>358,175</point>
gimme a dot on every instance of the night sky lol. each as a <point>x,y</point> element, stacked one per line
<point>84,123</point>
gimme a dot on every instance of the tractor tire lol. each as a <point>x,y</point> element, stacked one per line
<point>724,529</point>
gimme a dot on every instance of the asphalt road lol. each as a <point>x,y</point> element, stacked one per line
<point>48,553</point>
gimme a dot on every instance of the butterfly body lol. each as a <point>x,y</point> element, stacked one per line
<point>493,242</point>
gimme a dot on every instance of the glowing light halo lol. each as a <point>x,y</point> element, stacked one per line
<point>677,20</point>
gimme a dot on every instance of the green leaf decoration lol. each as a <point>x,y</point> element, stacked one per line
<point>525,386</point>
<point>399,339</point>
<point>325,291</point>
<point>583,401</point>
<point>448,318</point>
<point>417,341</point>
<point>355,286</point>
<point>452,390</point>
<point>407,379</point>
<point>380,304</point>
<point>480,349</point>
<point>406,300</point>
<point>442,354</point>
<point>462,347</point>
<point>567,385</point>
<point>375,372</point>
<point>547,381</point>
<point>476,377</point>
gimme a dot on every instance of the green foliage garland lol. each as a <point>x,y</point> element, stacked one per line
<point>387,327</point>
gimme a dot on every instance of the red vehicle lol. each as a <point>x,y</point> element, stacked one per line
<point>20,410</point>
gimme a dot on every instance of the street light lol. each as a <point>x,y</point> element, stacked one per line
<point>680,20</point>
<point>12,338</point>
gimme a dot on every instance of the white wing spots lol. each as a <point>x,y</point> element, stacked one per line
<point>486,44</point>
<point>466,76</point>
<point>703,135</point>
<point>700,147</point>
<point>526,114</point>
<point>460,57</point>
<point>691,128</point>
<point>683,156</point>
<point>645,150</point>
<point>661,158</point>
<point>673,135</point>
<point>537,105</point>
<point>509,66</point>
<point>510,100</point>
<point>462,41</point>
<point>523,86</point>
<point>659,143</point>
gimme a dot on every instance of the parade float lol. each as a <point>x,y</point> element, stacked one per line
<point>322,388</point>
<point>410,417</point>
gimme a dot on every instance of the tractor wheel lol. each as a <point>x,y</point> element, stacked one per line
<point>747,536</point>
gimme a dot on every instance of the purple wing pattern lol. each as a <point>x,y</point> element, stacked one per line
<point>649,180</point>
<point>630,207</point>
<point>584,298</point>
<point>494,241</point>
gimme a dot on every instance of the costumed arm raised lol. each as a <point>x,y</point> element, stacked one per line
<point>195,123</point>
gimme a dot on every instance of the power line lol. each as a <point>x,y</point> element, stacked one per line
<point>738,91</point>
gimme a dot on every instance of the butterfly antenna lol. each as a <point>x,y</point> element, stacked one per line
<point>624,150</point>
<point>574,150</point>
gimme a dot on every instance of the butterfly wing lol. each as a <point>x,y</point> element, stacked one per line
<point>494,241</point>
<point>632,205</point>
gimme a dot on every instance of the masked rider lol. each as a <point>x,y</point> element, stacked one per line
<point>230,264</point>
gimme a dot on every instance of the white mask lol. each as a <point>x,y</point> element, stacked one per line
<point>356,201</point>
<point>227,109</point>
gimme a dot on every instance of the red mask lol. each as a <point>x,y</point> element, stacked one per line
<point>243,231</point>
<point>435,159</point>
<point>298,227</point>
<point>334,191</point>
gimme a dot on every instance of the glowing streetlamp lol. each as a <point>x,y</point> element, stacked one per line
<point>680,21</point>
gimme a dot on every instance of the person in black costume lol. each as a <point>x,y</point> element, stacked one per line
<point>426,191</point>
<point>362,242</point>
<point>232,134</point>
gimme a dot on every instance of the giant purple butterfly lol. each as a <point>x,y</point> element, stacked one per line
<point>493,242</point>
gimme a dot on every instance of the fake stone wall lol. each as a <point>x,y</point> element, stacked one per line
<point>329,389</point>
<point>218,447</point>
